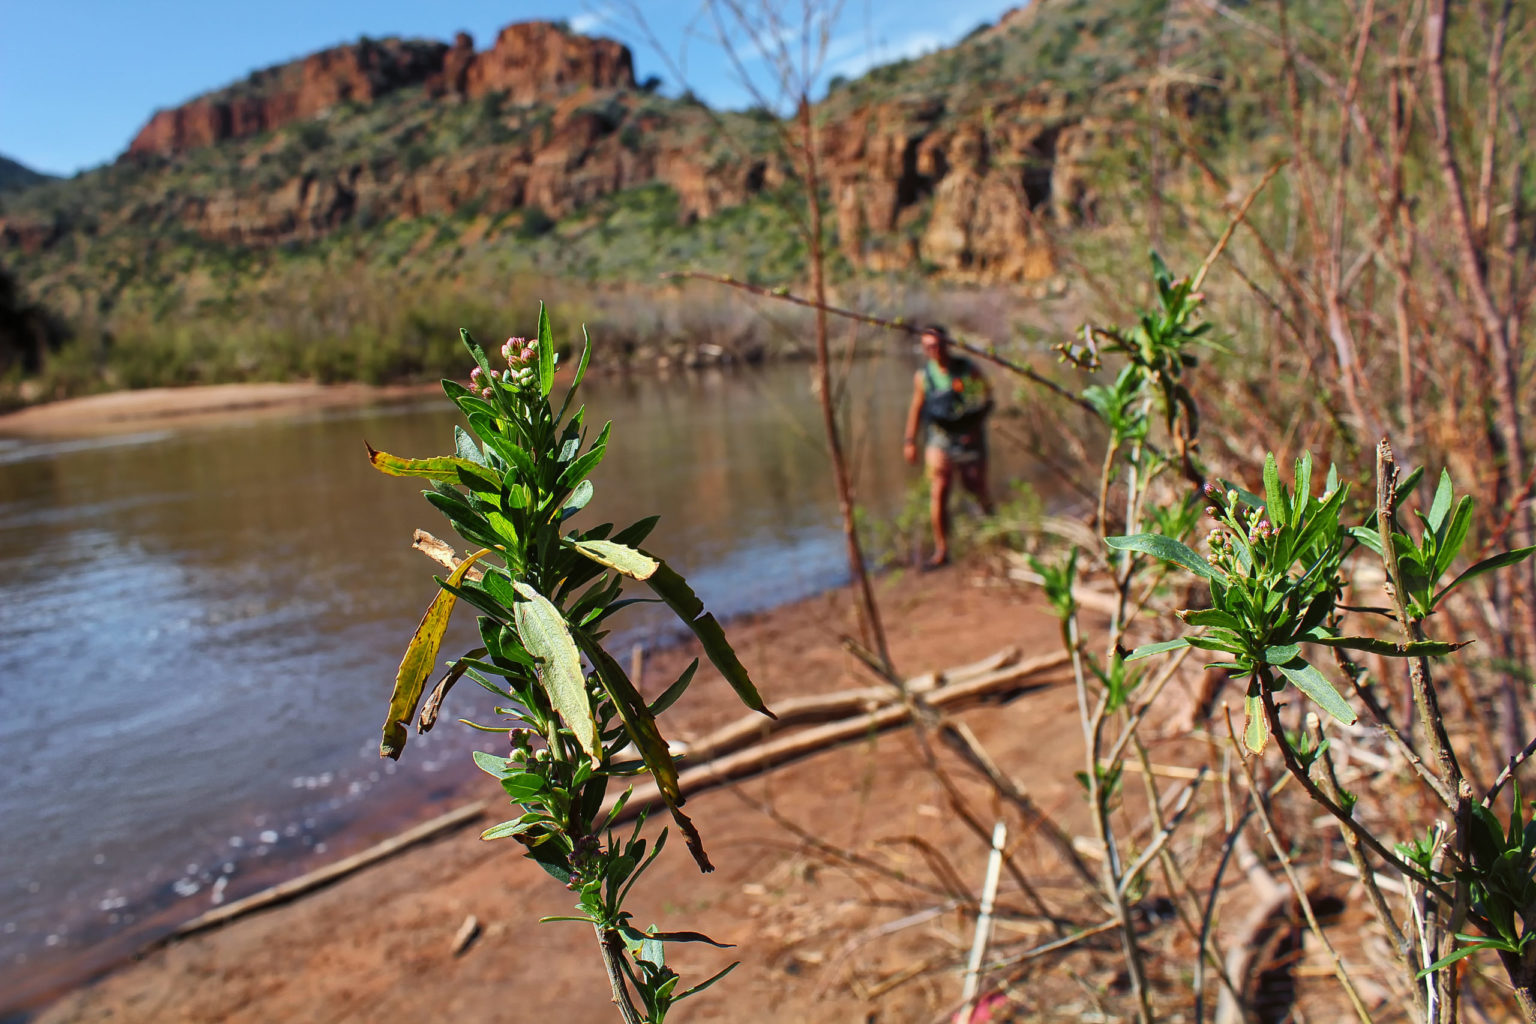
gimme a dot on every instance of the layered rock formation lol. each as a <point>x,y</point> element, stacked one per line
<point>359,72</point>
<point>530,61</point>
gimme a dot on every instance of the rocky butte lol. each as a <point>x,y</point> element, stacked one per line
<point>529,61</point>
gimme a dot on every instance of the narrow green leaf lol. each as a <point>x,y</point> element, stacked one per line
<point>635,533</point>
<point>588,462</point>
<point>1313,683</point>
<point>578,500</point>
<point>1418,648</point>
<point>1274,493</point>
<point>1219,640</point>
<point>503,410</point>
<point>1366,535</point>
<point>1303,492</point>
<point>1165,548</point>
<point>496,767</point>
<point>1450,958</point>
<point>416,666</point>
<point>443,467</point>
<point>521,785</point>
<point>1454,537</point>
<point>1212,617</point>
<point>1147,650</point>
<point>468,402</point>
<point>1489,564</point>
<point>618,557</point>
<point>581,373</point>
<point>544,634</point>
<point>1281,653</point>
<point>1255,724</point>
<point>1442,502</point>
<point>1244,495</point>
<point>546,353</point>
<point>701,986</point>
<point>689,937</point>
<point>467,447</point>
<point>638,720</point>
<point>670,695</point>
<point>674,590</point>
<point>507,828</point>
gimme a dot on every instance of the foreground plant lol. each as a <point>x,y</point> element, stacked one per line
<point>545,598</point>
<point>1276,602</point>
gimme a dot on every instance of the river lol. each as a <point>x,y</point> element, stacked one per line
<point>199,628</point>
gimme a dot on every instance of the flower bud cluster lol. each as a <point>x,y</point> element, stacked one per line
<point>522,752</point>
<point>1233,522</point>
<point>522,358</point>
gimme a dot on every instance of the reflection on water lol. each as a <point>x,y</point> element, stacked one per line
<point>198,629</point>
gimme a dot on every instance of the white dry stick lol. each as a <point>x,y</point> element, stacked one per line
<point>983,921</point>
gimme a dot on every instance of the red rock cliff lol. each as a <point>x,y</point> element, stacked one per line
<point>529,61</point>
<point>534,60</point>
<point>360,72</point>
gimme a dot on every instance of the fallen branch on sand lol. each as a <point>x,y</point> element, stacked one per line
<point>854,713</point>
<point>763,756</point>
<point>454,819</point>
<point>722,768</point>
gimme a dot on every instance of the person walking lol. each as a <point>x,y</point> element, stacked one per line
<point>950,404</point>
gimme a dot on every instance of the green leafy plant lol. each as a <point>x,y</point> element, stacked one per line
<point>545,594</point>
<point>1501,879</point>
<point>1273,572</point>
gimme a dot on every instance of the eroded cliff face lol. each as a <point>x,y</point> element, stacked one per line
<point>968,197</point>
<point>359,72</point>
<point>962,187</point>
<point>529,61</point>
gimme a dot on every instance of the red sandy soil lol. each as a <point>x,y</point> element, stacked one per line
<point>377,944</point>
<point>848,907</point>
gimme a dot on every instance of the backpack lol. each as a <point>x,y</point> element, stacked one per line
<point>956,405</point>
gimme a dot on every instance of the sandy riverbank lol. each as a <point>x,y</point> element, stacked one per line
<point>162,408</point>
<point>815,936</point>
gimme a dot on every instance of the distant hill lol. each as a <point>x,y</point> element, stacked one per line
<point>543,152</point>
<point>380,188</point>
<point>15,176</point>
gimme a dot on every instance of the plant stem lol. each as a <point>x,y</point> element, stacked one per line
<point>1401,942</point>
<point>613,955</point>
<point>1296,886</point>
<point>869,610</point>
<point>1098,800</point>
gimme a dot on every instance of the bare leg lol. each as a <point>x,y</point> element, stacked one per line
<point>973,477</point>
<point>940,473</point>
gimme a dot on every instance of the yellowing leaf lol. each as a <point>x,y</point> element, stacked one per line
<point>443,467</point>
<point>639,723</point>
<point>544,634</point>
<point>420,657</point>
<point>619,557</point>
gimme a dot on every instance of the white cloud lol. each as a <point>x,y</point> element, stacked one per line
<point>850,57</point>
<point>590,21</point>
<point>872,44</point>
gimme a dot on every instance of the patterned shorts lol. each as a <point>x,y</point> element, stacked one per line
<point>960,448</point>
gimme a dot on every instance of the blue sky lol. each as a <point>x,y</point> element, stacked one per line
<point>78,78</point>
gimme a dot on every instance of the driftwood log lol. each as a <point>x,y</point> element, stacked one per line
<point>729,762</point>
